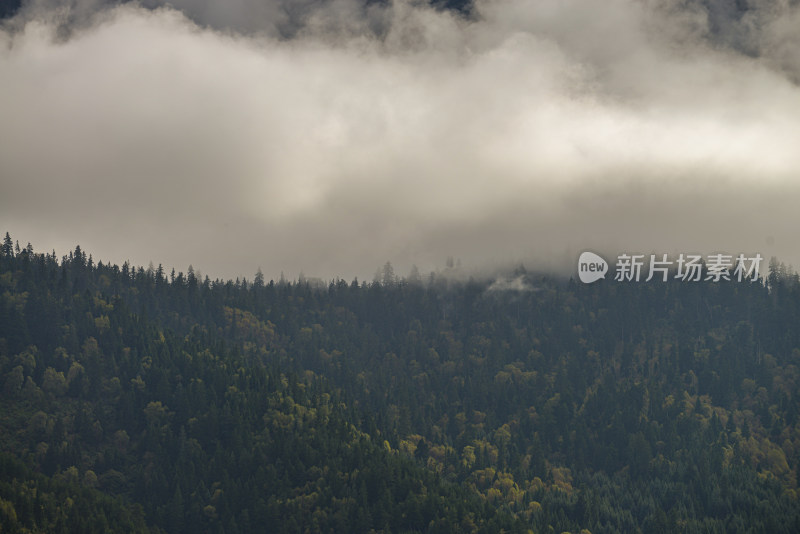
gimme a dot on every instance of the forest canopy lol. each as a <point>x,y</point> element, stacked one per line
<point>136,400</point>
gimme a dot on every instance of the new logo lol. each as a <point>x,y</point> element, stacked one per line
<point>591,267</point>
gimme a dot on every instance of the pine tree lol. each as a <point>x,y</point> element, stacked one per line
<point>8,247</point>
<point>258,280</point>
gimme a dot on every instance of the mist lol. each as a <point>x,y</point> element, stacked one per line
<point>329,138</point>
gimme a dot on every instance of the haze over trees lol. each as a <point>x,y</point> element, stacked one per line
<point>139,401</point>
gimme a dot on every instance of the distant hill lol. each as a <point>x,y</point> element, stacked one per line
<point>164,402</point>
<point>9,8</point>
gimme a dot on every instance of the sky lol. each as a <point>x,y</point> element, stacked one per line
<point>327,138</point>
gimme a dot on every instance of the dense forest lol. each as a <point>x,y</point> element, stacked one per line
<point>136,400</point>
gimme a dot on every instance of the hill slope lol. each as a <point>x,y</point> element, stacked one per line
<point>403,406</point>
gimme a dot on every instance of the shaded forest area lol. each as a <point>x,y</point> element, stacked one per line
<point>140,401</point>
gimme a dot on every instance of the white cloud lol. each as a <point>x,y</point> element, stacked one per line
<point>530,131</point>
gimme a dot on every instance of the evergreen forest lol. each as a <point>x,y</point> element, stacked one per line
<point>139,400</point>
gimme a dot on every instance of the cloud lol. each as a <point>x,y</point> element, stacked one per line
<point>331,138</point>
<point>515,285</point>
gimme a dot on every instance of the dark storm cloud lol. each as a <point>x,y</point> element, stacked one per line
<point>332,137</point>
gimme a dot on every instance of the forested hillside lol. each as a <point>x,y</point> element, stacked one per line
<point>139,400</point>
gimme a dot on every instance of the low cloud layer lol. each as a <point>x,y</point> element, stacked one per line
<point>330,138</point>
